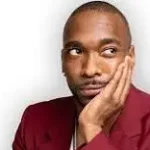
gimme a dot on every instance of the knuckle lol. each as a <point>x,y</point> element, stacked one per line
<point>121,105</point>
<point>106,96</point>
<point>115,97</point>
<point>115,104</point>
<point>124,77</point>
<point>113,81</point>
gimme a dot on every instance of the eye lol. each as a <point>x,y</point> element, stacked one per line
<point>75,51</point>
<point>109,52</point>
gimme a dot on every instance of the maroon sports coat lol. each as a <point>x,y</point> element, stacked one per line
<point>49,126</point>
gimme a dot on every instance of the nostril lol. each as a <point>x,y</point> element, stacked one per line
<point>91,66</point>
<point>91,70</point>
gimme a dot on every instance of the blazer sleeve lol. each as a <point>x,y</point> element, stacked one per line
<point>19,140</point>
<point>144,142</point>
<point>102,142</point>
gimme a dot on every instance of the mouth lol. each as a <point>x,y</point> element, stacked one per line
<point>91,90</point>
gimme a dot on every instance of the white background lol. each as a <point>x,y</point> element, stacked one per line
<point>30,44</point>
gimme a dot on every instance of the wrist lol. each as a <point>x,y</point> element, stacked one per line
<point>90,131</point>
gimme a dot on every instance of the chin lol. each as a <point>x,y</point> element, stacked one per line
<point>84,100</point>
<point>83,97</point>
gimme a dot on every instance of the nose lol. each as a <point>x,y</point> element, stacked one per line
<point>91,66</point>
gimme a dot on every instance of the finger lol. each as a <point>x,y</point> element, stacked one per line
<point>110,88</point>
<point>121,84</point>
<point>127,84</point>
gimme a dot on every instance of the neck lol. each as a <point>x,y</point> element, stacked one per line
<point>79,108</point>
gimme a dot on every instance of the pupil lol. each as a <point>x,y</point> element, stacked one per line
<point>78,51</point>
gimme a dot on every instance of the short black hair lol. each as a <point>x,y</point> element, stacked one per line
<point>99,6</point>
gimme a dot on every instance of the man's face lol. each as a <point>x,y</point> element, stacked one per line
<point>94,45</point>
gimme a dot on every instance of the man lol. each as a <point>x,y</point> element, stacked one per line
<point>106,111</point>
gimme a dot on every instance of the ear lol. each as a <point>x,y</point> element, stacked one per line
<point>63,70</point>
<point>131,53</point>
<point>62,63</point>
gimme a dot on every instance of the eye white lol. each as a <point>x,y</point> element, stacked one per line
<point>109,51</point>
<point>74,52</point>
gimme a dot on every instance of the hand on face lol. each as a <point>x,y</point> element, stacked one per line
<point>108,102</point>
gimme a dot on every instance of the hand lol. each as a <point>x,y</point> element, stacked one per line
<point>107,103</point>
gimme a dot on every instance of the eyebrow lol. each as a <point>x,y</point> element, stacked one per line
<point>105,41</point>
<point>73,44</point>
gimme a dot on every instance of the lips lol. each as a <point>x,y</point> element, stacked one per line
<point>91,90</point>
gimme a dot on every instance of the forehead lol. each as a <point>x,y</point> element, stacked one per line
<point>93,26</point>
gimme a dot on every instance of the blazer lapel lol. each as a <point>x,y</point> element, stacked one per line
<point>60,132</point>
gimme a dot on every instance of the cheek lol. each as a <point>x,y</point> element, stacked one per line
<point>111,66</point>
<point>72,70</point>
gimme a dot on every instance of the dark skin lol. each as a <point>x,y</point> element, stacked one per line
<point>97,61</point>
